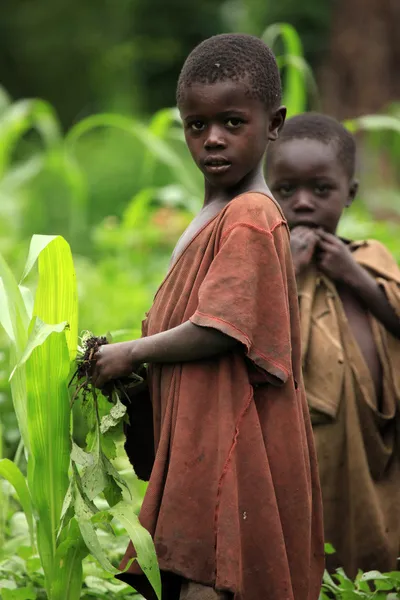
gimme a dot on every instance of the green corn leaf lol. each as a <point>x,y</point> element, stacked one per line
<point>68,574</point>
<point>56,296</point>
<point>10,471</point>
<point>13,316</point>
<point>158,147</point>
<point>15,321</point>
<point>28,300</point>
<point>141,539</point>
<point>20,117</point>
<point>47,371</point>
<point>309,82</point>
<point>40,332</point>
<point>66,509</point>
<point>294,81</point>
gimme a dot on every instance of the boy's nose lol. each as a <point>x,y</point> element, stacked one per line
<point>303,201</point>
<point>215,139</point>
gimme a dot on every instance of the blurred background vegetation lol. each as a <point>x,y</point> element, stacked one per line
<point>91,147</point>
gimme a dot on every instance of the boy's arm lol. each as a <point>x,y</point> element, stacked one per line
<point>337,262</point>
<point>184,343</point>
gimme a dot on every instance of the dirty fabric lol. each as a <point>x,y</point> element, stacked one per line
<point>233,500</point>
<point>357,440</point>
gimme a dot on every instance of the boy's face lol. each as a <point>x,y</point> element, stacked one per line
<point>310,183</point>
<point>226,130</point>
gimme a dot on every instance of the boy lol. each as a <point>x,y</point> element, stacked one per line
<point>350,323</point>
<point>233,502</point>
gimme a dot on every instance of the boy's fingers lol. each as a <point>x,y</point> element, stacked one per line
<point>329,238</point>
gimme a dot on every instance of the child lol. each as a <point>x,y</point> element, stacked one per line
<point>233,502</point>
<point>350,323</point>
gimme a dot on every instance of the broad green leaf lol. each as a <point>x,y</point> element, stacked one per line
<point>40,332</point>
<point>20,117</point>
<point>143,543</point>
<point>68,574</point>
<point>94,477</point>
<point>28,300</point>
<point>374,575</point>
<point>294,87</point>
<point>67,507</point>
<point>80,457</point>
<point>84,514</point>
<point>298,62</point>
<point>113,474</point>
<point>47,371</point>
<point>113,493</point>
<point>15,321</point>
<point>56,296</point>
<point>117,412</point>
<point>37,245</point>
<point>159,148</point>
<point>10,471</point>
<point>5,317</point>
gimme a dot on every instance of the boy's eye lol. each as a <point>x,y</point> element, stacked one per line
<point>233,122</point>
<point>285,190</point>
<point>197,125</point>
<point>322,189</point>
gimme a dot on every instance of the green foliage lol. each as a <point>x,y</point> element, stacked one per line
<point>121,190</point>
<point>65,515</point>
<point>366,586</point>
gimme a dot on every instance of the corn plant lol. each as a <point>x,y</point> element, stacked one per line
<point>60,509</point>
<point>298,78</point>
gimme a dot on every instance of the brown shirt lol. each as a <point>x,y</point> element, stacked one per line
<point>233,500</point>
<point>356,422</point>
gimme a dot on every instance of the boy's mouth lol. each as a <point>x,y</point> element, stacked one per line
<point>216,164</point>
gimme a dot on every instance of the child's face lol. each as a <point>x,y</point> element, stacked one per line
<point>310,183</point>
<point>226,130</point>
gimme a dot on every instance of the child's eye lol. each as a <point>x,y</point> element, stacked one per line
<point>285,190</point>
<point>233,122</point>
<point>197,125</point>
<point>322,189</point>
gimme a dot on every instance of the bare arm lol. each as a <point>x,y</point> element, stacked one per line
<point>337,262</point>
<point>184,343</point>
<point>374,298</point>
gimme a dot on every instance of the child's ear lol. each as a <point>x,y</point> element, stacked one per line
<point>353,189</point>
<point>276,122</point>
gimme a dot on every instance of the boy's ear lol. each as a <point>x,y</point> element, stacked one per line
<point>353,189</point>
<point>276,123</point>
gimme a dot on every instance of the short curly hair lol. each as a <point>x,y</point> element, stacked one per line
<point>238,57</point>
<point>325,129</point>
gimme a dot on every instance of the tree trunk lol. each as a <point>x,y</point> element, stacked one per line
<point>361,73</point>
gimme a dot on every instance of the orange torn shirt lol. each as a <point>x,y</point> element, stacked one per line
<point>233,500</point>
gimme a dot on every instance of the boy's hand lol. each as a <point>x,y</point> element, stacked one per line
<point>113,361</point>
<point>334,258</point>
<point>303,241</point>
